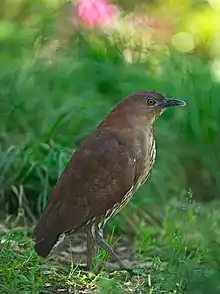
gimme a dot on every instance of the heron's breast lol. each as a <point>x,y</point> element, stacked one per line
<point>147,159</point>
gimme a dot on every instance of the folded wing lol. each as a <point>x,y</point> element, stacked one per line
<point>97,177</point>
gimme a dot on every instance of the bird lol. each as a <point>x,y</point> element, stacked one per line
<point>103,174</point>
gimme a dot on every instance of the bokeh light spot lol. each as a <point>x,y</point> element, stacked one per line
<point>215,4</point>
<point>183,42</point>
<point>216,69</point>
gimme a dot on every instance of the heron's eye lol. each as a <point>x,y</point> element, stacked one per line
<point>151,101</point>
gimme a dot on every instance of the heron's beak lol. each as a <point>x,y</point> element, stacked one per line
<point>172,102</point>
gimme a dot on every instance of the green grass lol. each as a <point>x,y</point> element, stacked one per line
<point>181,257</point>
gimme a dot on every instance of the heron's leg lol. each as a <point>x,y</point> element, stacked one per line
<point>90,245</point>
<point>102,243</point>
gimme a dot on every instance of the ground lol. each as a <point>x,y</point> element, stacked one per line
<point>182,256</point>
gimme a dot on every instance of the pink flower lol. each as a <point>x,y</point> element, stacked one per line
<point>95,13</point>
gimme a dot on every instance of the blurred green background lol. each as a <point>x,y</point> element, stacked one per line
<point>59,78</point>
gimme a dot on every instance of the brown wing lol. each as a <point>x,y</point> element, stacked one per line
<point>97,177</point>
